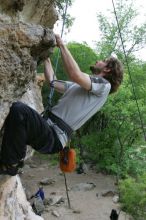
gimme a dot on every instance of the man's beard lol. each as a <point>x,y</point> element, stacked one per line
<point>95,70</point>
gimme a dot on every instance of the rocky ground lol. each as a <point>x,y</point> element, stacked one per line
<point>92,195</point>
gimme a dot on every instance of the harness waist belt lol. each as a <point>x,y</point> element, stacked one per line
<point>61,124</point>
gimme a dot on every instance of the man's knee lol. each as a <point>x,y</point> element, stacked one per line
<point>17,111</point>
<point>17,106</point>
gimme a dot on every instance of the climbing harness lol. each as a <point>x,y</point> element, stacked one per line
<point>61,124</point>
<point>129,72</point>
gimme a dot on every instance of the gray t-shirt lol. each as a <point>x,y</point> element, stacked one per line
<point>77,105</point>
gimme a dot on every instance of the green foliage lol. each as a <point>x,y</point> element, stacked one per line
<point>100,151</point>
<point>40,69</point>
<point>134,160</point>
<point>133,36</point>
<point>52,159</point>
<point>133,196</point>
<point>41,157</point>
<point>67,20</point>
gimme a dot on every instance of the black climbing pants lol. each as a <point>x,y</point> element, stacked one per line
<point>24,126</point>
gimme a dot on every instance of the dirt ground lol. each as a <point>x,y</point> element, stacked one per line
<point>85,205</point>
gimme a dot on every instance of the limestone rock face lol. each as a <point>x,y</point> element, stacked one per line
<point>29,11</point>
<point>22,47</point>
<point>13,204</point>
<point>26,39</point>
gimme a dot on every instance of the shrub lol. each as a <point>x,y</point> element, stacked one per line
<point>133,196</point>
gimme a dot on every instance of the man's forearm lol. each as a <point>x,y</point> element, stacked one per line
<point>50,76</point>
<point>48,71</point>
<point>70,65</point>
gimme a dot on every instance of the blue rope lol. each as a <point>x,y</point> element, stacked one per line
<point>57,60</point>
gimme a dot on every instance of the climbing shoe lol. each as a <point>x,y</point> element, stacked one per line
<point>11,170</point>
<point>20,164</point>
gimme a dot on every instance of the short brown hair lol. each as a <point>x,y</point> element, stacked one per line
<point>115,77</point>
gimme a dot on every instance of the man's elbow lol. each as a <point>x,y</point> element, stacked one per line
<point>75,77</point>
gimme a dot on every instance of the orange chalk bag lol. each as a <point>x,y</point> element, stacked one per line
<point>67,160</point>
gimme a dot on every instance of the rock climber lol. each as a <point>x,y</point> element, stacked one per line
<point>82,97</point>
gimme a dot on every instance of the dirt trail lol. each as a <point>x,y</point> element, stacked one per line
<point>85,205</point>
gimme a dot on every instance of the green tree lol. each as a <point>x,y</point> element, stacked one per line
<point>62,6</point>
<point>133,34</point>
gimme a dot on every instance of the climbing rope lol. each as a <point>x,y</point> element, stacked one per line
<point>57,59</point>
<point>129,72</point>
<point>52,91</point>
<point>66,187</point>
<point>62,31</point>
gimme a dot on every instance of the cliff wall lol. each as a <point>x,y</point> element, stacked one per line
<point>26,39</point>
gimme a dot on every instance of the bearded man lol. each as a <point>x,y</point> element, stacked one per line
<point>83,96</point>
